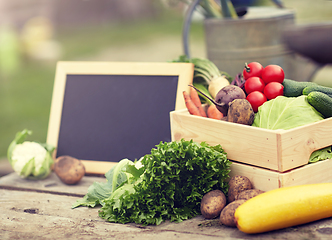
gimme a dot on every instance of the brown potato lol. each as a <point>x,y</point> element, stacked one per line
<point>238,184</point>
<point>240,111</point>
<point>212,203</point>
<point>247,194</point>
<point>227,214</point>
<point>70,170</point>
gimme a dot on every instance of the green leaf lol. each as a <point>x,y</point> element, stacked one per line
<point>28,168</point>
<point>321,154</point>
<point>286,113</point>
<point>97,192</point>
<point>19,138</point>
<point>176,176</point>
<point>45,170</point>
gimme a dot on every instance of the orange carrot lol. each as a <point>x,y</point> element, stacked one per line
<point>195,98</point>
<point>213,112</point>
<point>190,105</point>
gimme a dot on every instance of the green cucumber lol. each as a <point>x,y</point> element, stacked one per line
<point>321,102</point>
<point>317,88</point>
<point>294,88</point>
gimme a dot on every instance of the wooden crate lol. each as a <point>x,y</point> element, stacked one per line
<point>271,158</point>
<point>265,179</point>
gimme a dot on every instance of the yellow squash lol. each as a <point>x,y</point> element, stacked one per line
<point>285,207</point>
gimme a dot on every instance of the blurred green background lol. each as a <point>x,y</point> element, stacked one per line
<point>26,77</point>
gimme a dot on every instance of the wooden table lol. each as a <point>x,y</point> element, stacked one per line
<point>42,210</point>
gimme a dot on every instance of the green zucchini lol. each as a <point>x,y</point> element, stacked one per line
<point>321,102</point>
<point>317,88</point>
<point>294,88</point>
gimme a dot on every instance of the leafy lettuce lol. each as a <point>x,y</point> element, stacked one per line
<point>169,185</point>
<point>286,113</point>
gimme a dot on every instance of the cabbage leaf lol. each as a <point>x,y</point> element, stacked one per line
<point>321,154</point>
<point>99,191</point>
<point>286,113</point>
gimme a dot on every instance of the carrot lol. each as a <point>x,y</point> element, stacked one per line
<point>195,98</point>
<point>193,110</point>
<point>213,112</point>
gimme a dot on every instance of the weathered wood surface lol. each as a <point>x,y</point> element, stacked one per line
<point>52,184</point>
<point>45,215</point>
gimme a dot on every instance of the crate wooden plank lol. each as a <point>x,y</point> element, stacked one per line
<point>297,144</point>
<point>279,150</point>
<point>267,180</point>
<point>242,143</point>
<point>261,178</point>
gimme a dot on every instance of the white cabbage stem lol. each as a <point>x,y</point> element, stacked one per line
<point>216,85</point>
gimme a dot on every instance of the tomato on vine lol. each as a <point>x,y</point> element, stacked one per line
<point>254,84</point>
<point>273,90</point>
<point>256,99</point>
<point>273,73</point>
<point>253,69</point>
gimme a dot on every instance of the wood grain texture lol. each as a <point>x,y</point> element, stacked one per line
<point>37,215</point>
<point>182,71</point>
<point>279,150</point>
<point>265,179</point>
<point>51,184</point>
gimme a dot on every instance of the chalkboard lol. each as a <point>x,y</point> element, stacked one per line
<point>103,112</point>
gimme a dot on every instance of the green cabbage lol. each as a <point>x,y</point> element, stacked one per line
<point>286,113</point>
<point>30,159</point>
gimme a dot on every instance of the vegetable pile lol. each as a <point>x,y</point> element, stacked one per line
<point>262,97</point>
<point>166,184</point>
<point>255,211</point>
<point>216,204</point>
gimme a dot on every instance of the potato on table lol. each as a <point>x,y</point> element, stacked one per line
<point>212,203</point>
<point>70,170</point>
<point>238,184</point>
<point>227,214</point>
<point>247,194</point>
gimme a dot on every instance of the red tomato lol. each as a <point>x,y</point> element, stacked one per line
<point>273,73</point>
<point>253,69</point>
<point>273,90</point>
<point>256,99</point>
<point>254,84</point>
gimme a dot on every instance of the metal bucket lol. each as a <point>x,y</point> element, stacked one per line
<point>230,43</point>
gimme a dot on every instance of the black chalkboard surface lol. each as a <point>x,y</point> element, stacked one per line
<point>103,112</point>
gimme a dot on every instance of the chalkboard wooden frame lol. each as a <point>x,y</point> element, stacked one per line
<point>183,71</point>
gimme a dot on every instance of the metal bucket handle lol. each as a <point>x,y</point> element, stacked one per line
<point>187,22</point>
<point>186,28</point>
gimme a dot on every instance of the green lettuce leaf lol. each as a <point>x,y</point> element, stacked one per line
<point>286,113</point>
<point>176,176</point>
<point>99,191</point>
